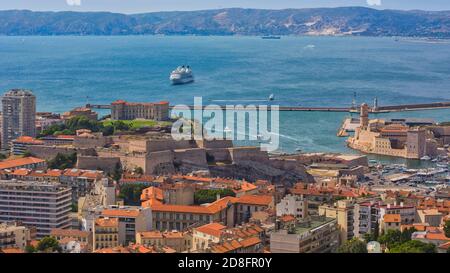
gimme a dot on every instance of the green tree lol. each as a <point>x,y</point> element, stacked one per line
<point>353,246</point>
<point>447,228</point>
<point>30,249</point>
<point>391,238</point>
<point>413,246</point>
<point>210,195</point>
<point>108,130</point>
<point>139,170</point>
<point>131,194</point>
<point>49,244</point>
<point>63,161</point>
<point>407,233</point>
<point>117,173</point>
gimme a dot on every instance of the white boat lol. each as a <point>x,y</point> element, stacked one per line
<point>272,97</point>
<point>425,158</point>
<point>182,75</point>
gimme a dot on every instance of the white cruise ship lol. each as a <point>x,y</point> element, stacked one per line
<point>182,75</point>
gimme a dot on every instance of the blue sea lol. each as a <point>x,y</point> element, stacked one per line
<point>65,72</point>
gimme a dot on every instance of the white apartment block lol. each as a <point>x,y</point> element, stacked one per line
<point>293,205</point>
<point>44,205</point>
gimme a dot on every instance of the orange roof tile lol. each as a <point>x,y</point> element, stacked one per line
<point>212,208</point>
<point>250,241</point>
<point>213,229</point>
<point>120,213</point>
<point>107,222</point>
<point>28,140</point>
<point>15,163</point>
<point>12,250</point>
<point>69,233</point>
<point>260,200</point>
<point>151,234</point>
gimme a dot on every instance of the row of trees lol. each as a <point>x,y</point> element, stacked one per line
<point>80,122</point>
<point>46,245</point>
<point>396,241</point>
<point>210,195</point>
<point>63,161</point>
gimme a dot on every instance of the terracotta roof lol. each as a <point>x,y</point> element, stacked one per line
<point>392,218</point>
<point>287,218</point>
<point>151,234</point>
<point>445,245</point>
<point>15,163</point>
<point>437,236</point>
<point>107,222</point>
<point>12,250</point>
<point>173,235</point>
<point>152,193</point>
<point>213,229</point>
<point>260,200</point>
<point>212,208</point>
<point>118,249</point>
<point>250,241</point>
<point>69,233</point>
<point>21,172</point>
<point>120,213</point>
<point>28,140</point>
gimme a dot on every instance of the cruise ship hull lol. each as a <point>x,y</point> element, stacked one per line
<point>178,81</point>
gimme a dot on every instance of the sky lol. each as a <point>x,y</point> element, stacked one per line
<point>139,6</point>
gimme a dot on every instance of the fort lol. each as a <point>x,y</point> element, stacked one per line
<point>399,138</point>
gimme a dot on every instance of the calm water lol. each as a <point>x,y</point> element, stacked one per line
<point>65,72</point>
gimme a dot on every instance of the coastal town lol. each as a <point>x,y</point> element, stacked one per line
<point>79,182</point>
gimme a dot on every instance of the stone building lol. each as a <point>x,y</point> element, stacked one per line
<point>19,115</point>
<point>122,110</point>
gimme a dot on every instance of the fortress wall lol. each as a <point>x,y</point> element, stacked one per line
<point>86,142</point>
<point>137,145</point>
<point>155,160</point>
<point>215,144</point>
<point>219,154</point>
<point>163,145</point>
<point>239,154</point>
<point>49,152</point>
<point>129,161</point>
<point>106,164</point>
<point>195,156</point>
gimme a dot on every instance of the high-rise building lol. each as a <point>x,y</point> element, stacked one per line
<point>44,205</point>
<point>19,115</point>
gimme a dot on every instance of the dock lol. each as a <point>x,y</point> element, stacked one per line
<point>379,109</point>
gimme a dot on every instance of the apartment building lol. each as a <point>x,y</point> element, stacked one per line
<point>105,233</point>
<point>180,217</point>
<point>43,205</point>
<point>23,163</point>
<point>317,235</point>
<point>13,235</point>
<point>246,205</point>
<point>18,116</point>
<point>130,220</point>
<point>343,212</point>
<point>179,241</point>
<point>83,237</point>
<point>295,205</point>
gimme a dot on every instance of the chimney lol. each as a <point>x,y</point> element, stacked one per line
<point>217,197</point>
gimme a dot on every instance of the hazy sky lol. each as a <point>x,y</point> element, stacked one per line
<point>135,6</point>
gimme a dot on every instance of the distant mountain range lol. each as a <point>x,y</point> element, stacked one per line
<point>320,21</point>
